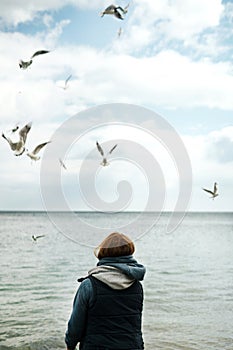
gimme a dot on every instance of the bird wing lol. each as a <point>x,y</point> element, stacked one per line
<point>118,14</point>
<point>110,8</point>
<point>13,145</point>
<point>119,8</point>
<point>208,191</point>
<point>21,63</point>
<point>62,164</point>
<point>126,8</point>
<point>40,236</point>
<point>18,147</point>
<point>99,148</point>
<point>40,52</point>
<point>24,131</point>
<point>67,79</point>
<point>215,188</point>
<point>6,138</point>
<point>38,148</point>
<point>112,149</point>
<point>15,128</point>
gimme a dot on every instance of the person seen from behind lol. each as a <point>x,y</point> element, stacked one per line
<point>107,308</point>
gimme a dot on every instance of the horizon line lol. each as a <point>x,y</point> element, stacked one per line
<point>108,212</point>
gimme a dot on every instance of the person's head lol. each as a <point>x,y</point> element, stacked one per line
<point>115,244</point>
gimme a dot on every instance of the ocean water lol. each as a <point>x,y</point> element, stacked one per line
<point>188,286</point>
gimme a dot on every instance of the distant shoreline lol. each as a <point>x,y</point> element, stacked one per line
<point>109,212</point>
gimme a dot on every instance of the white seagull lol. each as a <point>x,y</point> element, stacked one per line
<point>100,149</point>
<point>19,146</point>
<point>33,154</point>
<point>66,83</point>
<point>214,192</point>
<point>62,164</point>
<point>119,32</point>
<point>26,64</point>
<point>36,237</point>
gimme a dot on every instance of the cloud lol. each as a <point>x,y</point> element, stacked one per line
<point>149,26</point>
<point>14,12</point>
<point>220,146</point>
<point>47,20</point>
<point>165,23</point>
<point>214,42</point>
<point>206,169</point>
<point>139,69</point>
<point>168,79</point>
<point>52,36</point>
<point>183,23</point>
<point>211,155</point>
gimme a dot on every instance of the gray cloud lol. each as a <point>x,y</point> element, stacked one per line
<point>221,150</point>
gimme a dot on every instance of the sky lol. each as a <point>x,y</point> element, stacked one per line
<point>172,63</point>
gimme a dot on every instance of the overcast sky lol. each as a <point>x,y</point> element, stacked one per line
<point>173,58</point>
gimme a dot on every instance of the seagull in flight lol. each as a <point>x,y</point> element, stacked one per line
<point>62,164</point>
<point>19,146</point>
<point>33,154</point>
<point>119,32</point>
<point>214,192</point>
<point>26,64</point>
<point>36,237</point>
<point>100,149</point>
<point>116,11</point>
<point>66,83</point>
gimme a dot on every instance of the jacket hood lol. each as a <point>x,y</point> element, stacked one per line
<point>111,276</point>
<point>118,272</point>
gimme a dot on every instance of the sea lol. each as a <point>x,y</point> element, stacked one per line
<point>188,286</point>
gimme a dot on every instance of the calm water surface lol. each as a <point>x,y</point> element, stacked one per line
<point>188,285</point>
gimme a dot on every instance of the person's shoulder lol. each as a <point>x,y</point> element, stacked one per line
<point>85,290</point>
<point>86,284</point>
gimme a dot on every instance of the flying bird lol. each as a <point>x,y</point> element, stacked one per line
<point>33,154</point>
<point>100,149</point>
<point>116,11</point>
<point>62,164</point>
<point>19,146</point>
<point>119,32</point>
<point>66,83</point>
<point>26,64</point>
<point>36,237</point>
<point>214,192</point>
